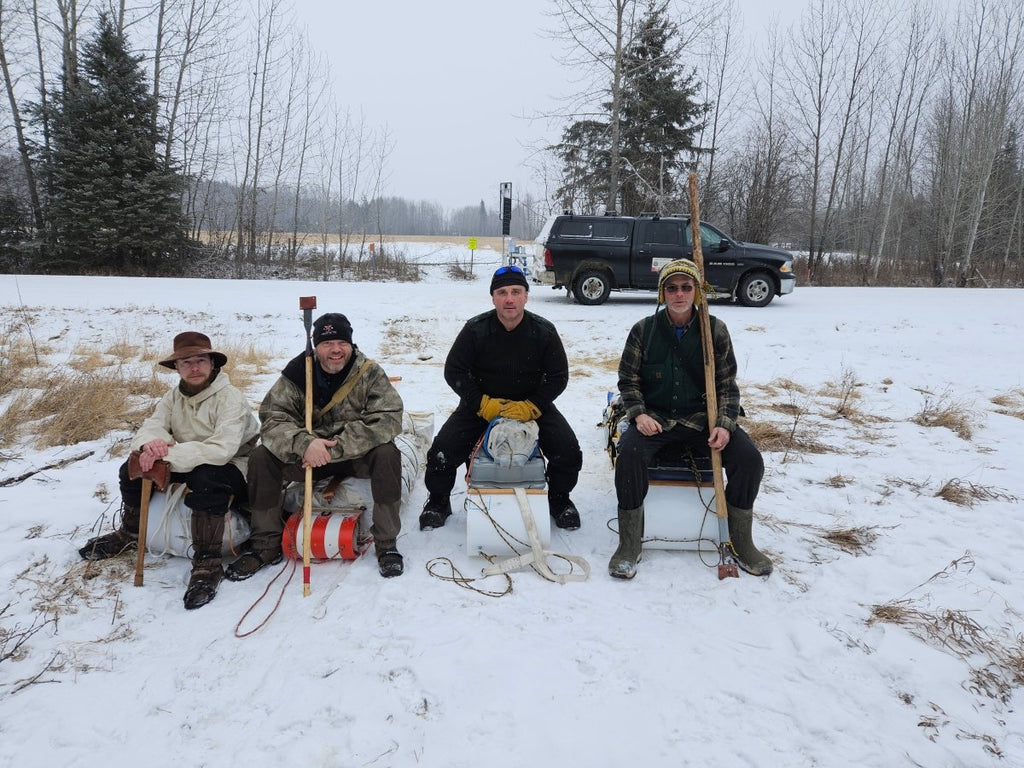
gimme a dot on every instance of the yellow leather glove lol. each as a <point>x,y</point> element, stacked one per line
<point>520,410</point>
<point>490,407</point>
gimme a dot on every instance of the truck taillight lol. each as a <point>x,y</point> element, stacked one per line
<point>549,263</point>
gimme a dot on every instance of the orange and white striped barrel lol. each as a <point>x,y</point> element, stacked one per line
<point>333,535</point>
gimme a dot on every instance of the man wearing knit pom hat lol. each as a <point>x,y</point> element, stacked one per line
<point>662,386</point>
<point>506,362</point>
<point>357,415</point>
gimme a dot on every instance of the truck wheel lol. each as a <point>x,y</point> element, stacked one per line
<point>756,290</point>
<point>592,287</point>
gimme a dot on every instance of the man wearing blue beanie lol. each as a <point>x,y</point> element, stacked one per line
<point>506,362</point>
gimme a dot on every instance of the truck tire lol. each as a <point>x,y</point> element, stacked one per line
<point>757,289</point>
<point>591,287</point>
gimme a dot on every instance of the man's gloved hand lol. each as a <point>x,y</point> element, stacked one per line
<point>520,410</point>
<point>490,407</point>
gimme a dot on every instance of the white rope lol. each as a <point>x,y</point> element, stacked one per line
<point>537,557</point>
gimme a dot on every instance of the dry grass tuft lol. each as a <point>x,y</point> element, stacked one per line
<point>845,392</point>
<point>855,541</point>
<point>790,409</point>
<point>17,360</point>
<point>768,437</point>
<point>789,385</point>
<point>943,412</point>
<point>965,494</point>
<point>457,271</point>
<point>957,633</point>
<point>952,630</point>
<point>838,481</point>
<point>607,364</point>
<point>149,386</point>
<point>247,354</point>
<point>246,362</point>
<point>77,407</point>
<point>88,360</point>
<point>401,337</point>
<point>13,416</point>
<point>1011,403</point>
<point>122,349</point>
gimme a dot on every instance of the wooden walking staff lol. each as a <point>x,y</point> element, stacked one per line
<point>725,569</point>
<point>307,304</point>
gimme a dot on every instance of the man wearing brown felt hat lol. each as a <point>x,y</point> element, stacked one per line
<point>204,428</point>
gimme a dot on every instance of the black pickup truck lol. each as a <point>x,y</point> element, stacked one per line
<point>591,256</point>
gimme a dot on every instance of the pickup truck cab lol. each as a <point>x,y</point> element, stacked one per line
<point>591,256</point>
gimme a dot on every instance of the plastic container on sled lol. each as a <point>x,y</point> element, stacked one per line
<point>679,510</point>
<point>494,520</point>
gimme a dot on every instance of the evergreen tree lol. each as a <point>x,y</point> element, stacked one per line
<point>115,204</point>
<point>585,161</point>
<point>660,117</point>
<point>659,121</point>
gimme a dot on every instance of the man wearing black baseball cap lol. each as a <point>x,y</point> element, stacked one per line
<point>506,362</point>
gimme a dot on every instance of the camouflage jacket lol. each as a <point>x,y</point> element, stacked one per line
<point>370,415</point>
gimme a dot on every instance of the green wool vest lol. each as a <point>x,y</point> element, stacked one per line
<point>673,371</point>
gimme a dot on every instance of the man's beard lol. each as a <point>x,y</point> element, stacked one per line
<point>190,390</point>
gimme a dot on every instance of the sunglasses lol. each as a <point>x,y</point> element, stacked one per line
<point>507,270</point>
<point>678,288</point>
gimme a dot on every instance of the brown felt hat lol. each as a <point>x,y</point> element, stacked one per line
<point>192,343</point>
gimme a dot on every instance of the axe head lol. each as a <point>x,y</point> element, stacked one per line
<point>160,474</point>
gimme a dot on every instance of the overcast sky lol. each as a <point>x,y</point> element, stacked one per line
<point>454,80</point>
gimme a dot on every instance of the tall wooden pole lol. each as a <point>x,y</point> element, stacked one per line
<point>307,304</point>
<point>711,390</point>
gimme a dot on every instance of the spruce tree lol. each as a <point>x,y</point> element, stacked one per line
<point>660,117</point>
<point>115,204</point>
<point>659,120</point>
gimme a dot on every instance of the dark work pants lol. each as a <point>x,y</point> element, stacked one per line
<point>741,460</point>
<point>268,477</point>
<point>454,443</point>
<point>212,488</point>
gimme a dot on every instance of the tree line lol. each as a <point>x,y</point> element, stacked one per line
<point>143,139</point>
<point>885,132</point>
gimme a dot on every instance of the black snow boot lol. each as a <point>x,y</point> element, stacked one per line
<point>117,541</point>
<point>563,511</point>
<point>435,512</point>
<point>389,563</point>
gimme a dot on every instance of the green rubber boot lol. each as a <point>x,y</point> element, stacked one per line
<point>750,559</point>
<point>631,535</point>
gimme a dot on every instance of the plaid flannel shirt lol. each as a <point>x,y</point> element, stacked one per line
<point>631,384</point>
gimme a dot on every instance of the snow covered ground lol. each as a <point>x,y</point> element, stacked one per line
<point>890,634</point>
